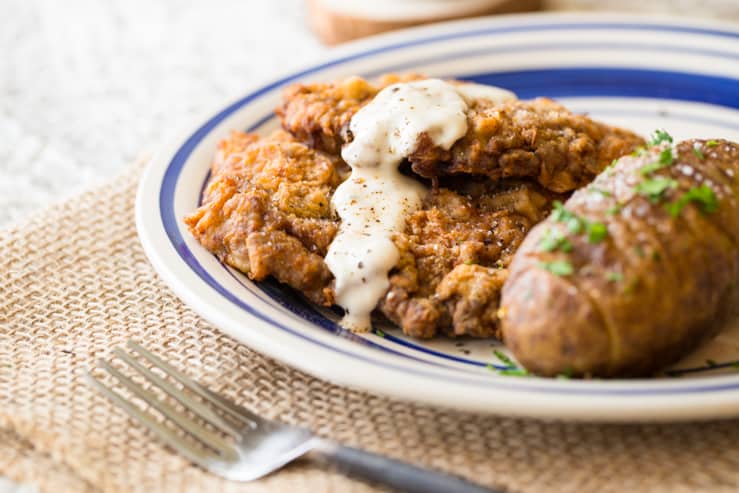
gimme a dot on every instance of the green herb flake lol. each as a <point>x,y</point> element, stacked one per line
<point>559,213</point>
<point>614,209</point>
<point>610,168</point>
<point>660,136</point>
<point>504,358</point>
<point>565,375</point>
<point>639,251</point>
<point>697,151</point>
<point>554,240</point>
<point>574,225</point>
<point>562,215</point>
<point>514,372</point>
<point>654,188</point>
<point>614,276</point>
<point>600,191</point>
<point>597,231</point>
<point>711,362</point>
<point>712,143</point>
<point>665,159</point>
<point>558,267</point>
<point>631,286</point>
<point>702,195</point>
<point>649,168</point>
<point>379,333</point>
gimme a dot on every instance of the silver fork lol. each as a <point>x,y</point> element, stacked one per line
<point>237,444</point>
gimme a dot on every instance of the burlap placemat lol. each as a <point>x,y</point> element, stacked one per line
<point>76,283</point>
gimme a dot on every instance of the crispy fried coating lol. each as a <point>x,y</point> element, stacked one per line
<point>266,212</point>
<point>538,139</point>
<point>317,114</point>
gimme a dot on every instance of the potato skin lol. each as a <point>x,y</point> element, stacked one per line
<point>647,292</point>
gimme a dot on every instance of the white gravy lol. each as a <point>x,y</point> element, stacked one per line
<point>375,200</point>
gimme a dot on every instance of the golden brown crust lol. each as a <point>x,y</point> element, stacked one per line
<point>649,290</point>
<point>537,139</point>
<point>465,233</point>
<point>266,212</point>
<point>318,114</point>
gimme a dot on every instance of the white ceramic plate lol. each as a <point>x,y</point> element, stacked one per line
<point>641,73</point>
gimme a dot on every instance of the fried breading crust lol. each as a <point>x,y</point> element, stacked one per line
<point>536,139</point>
<point>266,212</point>
<point>317,114</point>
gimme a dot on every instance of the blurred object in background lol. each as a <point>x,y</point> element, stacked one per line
<point>336,21</point>
<point>727,10</point>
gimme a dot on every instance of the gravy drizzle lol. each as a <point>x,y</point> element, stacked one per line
<point>375,200</point>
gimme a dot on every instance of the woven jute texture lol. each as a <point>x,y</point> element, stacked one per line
<point>76,283</point>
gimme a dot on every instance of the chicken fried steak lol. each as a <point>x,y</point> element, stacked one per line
<point>266,212</point>
<point>536,139</point>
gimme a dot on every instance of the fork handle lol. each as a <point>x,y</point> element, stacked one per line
<point>394,473</point>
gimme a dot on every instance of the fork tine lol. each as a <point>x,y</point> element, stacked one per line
<point>192,404</point>
<point>222,403</point>
<point>195,454</point>
<point>206,436</point>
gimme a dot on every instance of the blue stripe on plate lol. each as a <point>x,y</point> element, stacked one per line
<point>589,82</point>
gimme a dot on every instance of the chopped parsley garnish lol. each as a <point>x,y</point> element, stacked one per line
<point>554,240</point>
<point>614,209</point>
<point>660,136</point>
<point>571,220</point>
<point>697,151</point>
<point>514,372</point>
<point>702,195</point>
<point>511,369</point>
<point>610,167</point>
<point>562,215</point>
<point>503,357</point>
<point>565,375</point>
<point>639,151</point>
<point>604,193</point>
<point>712,143</point>
<point>654,188</point>
<point>379,333</point>
<point>558,267</point>
<point>597,231</point>
<point>614,276</point>
<point>665,159</point>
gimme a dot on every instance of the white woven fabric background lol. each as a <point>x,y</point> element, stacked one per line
<point>86,85</point>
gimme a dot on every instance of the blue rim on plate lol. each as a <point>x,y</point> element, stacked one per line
<point>605,80</point>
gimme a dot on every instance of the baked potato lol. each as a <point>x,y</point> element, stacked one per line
<point>634,270</point>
